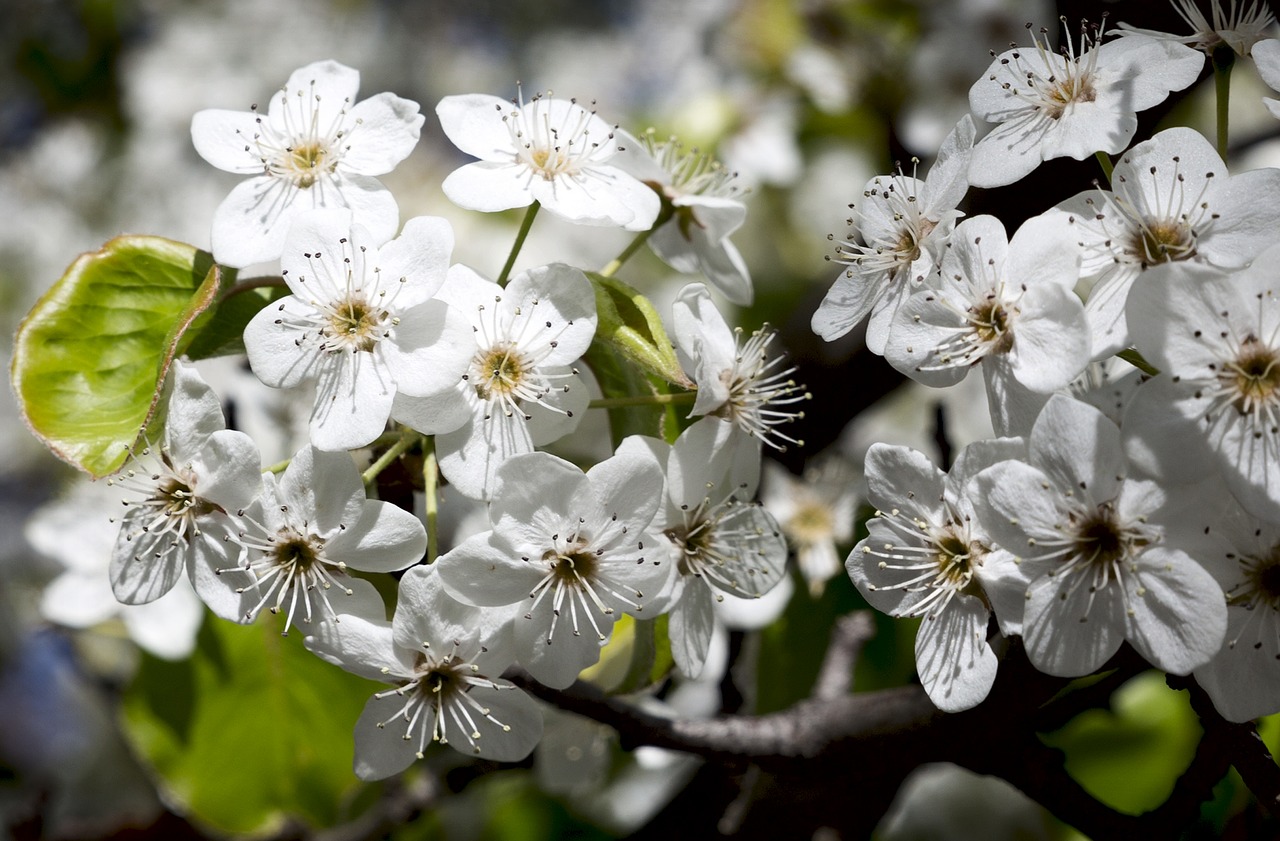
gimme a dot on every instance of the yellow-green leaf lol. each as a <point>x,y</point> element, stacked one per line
<point>90,358</point>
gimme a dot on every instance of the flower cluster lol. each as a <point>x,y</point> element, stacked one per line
<point>1080,527</point>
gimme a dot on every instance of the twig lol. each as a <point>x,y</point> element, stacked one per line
<point>849,635</point>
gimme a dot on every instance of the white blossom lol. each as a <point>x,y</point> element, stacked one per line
<point>704,207</point>
<point>552,151</point>
<point>1239,28</point>
<point>925,555</point>
<point>718,542</point>
<point>1171,199</point>
<point>361,322</point>
<point>1109,558</point>
<point>445,659</point>
<point>1005,304</point>
<point>182,491</point>
<point>313,148</point>
<point>903,224</point>
<point>518,388</point>
<point>312,525</point>
<point>1070,104</point>
<point>1215,337</point>
<point>737,378</point>
<point>574,548</point>
<point>1243,679</point>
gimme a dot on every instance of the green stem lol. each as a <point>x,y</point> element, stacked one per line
<point>431,489</point>
<point>635,245</point>
<point>278,467</point>
<point>406,440</point>
<point>1135,359</point>
<point>519,243</point>
<point>642,400</point>
<point>1104,160</point>
<point>1224,58</point>
<point>255,283</point>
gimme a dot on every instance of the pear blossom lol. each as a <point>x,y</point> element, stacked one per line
<point>1215,336</point>
<point>75,531</point>
<point>361,322</point>
<point>718,541</point>
<point>737,378</point>
<point>1171,199</point>
<point>1007,305</point>
<point>816,512</point>
<point>552,151</point>
<point>1266,55</point>
<point>1109,558</point>
<point>1243,679</point>
<point>926,555</point>
<point>1070,104</point>
<point>182,493</point>
<point>1238,28</point>
<point>313,148</point>
<point>445,659</point>
<point>312,525</point>
<point>704,207</point>
<point>903,224</point>
<point>517,388</point>
<point>574,548</point>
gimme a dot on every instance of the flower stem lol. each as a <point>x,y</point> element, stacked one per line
<point>519,243</point>
<point>1104,161</point>
<point>431,488</point>
<point>632,248</point>
<point>407,439</point>
<point>1224,58</point>
<point>642,400</point>
<point>1135,359</point>
<point>255,283</point>
<point>279,467</point>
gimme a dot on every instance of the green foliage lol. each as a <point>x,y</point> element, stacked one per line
<point>1130,756</point>
<point>223,335</point>
<point>630,324</point>
<point>91,356</point>
<point>249,732</point>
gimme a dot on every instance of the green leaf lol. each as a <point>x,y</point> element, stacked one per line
<point>1130,756</point>
<point>249,732</point>
<point>619,378</point>
<point>90,358</point>
<point>223,335</point>
<point>629,323</point>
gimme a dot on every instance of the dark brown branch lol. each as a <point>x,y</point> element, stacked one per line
<point>850,634</point>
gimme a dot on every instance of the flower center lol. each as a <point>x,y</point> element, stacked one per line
<point>1254,376</point>
<point>355,325</point>
<point>1077,87</point>
<point>296,554</point>
<point>990,321</point>
<point>1100,540</point>
<point>573,567</point>
<point>499,372</point>
<point>1163,241</point>
<point>304,161</point>
<point>758,394</point>
<point>1261,583</point>
<point>811,522</point>
<point>957,558</point>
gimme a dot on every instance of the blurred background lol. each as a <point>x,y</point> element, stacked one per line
<point>805,100</point>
